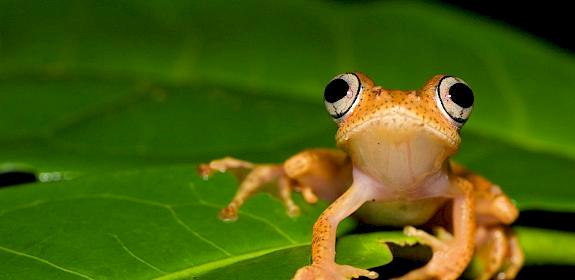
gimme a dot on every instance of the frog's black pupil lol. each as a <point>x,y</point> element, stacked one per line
<point>461,94</point>
<point>335,90</point>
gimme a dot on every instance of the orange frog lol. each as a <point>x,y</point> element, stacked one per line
<point>393,168</point>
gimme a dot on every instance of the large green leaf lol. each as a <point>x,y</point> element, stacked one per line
<point>161,222</point>
<point>121,98</point>
<point>293,48</point>
<point>151,223</point>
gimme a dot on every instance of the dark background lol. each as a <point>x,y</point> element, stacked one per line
<point>552,21</point>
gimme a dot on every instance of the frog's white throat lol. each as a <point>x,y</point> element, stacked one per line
<point>401,161</point>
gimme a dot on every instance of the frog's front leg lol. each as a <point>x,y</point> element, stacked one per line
<point>312,171</point>
<point>324,236</point>
<point>452,255</point>
<point>252,178</point>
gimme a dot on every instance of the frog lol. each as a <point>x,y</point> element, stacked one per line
<point>392,167</point>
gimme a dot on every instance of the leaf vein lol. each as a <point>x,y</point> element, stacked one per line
<point>130,199</point>
<point>209,266</point>
<point>202,202</point>
<point>199,236</point>
<point>196,194</point>
<point>252,216</point>
<point>125,248</point>
<point>45,262</point>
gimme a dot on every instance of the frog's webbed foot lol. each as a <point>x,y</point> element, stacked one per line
<point>436,243</point>
<point>332,271</point>
<point>440,246</point>
<point>253,178</point>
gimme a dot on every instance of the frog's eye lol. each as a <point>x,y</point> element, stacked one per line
<point>455,99</point>
<point>341,95</point>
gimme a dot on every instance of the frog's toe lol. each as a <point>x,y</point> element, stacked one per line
<point>205,171</point>
<point>293,210</point>
<point>442,234</point>
<point>428,239</point>
<point>229,214</point>
<point>353,272</point>
<point>224,165</point>
<point>308,195</point>
<point>332,272</point>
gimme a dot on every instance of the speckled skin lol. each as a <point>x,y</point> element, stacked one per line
<point>393,169</point>
<point>421,103</point>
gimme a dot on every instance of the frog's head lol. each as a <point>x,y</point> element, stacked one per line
<point>383,128</point>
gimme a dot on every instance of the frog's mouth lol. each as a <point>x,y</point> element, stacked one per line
<point>398,148</point>
<point>400,123</point>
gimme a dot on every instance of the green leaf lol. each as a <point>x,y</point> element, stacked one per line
<point>370,249</point>
<point>543,246</point>
<point>151,125</point>
<point>398,44</point>
<point>139,230</point>
<point>114,102</point>
<point>360,250</point>
<point>137,224</point>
